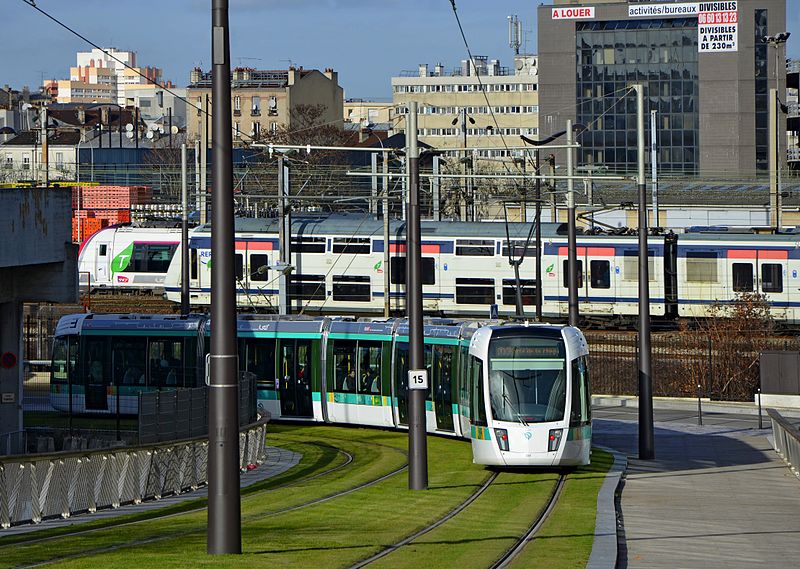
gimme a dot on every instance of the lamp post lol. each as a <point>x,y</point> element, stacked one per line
<point>775,179</point>
<point>467,161</point>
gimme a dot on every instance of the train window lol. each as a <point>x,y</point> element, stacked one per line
<point>352,245</point>
<point>771,277</point>
<point>701,267</point>
<point>238,266</point>
<point>398,270</point>
<point>475,247</point>
<point>193,263</point>
<point>580,408</point>
<point>308,245</point>
<point>474,291</point>
<point>103,250</point>
<point>528,291</point>
<point>307,287</point>
<point>518,249</point>
<point>259,267</point>
<point>630,265</point>
<point>566,273</point>
<point>742,277</point>
<point>351,288</point>
<point>600,274</point>
<point>150,258</point>
<point>369,367</point>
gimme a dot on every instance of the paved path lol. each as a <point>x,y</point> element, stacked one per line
<point>716,495</point>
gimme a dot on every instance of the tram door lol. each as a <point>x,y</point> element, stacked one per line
<point>401,358</point>
<point>295,378</point>
<point>443,386</point>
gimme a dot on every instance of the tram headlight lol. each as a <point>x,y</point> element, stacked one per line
<point>502,438</point>
<point>554,440</point>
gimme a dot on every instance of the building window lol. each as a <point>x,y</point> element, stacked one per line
<point>236,127</point>
<point>256,129</point>
<point>237,106</point>
<point>255,109</point>
<point>26,161</point>
<point>273,106</point>
<point>9,163</point>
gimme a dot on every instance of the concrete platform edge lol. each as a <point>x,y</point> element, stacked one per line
<point>604,548</point>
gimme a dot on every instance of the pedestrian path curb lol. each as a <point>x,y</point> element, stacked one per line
<point>604,549</point>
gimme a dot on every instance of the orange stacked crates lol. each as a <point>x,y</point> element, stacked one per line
<point>95,207</point>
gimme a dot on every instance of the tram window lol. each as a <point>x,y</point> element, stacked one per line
<point>128,357</point>
<point>742,277</point>
<point>528,291</point>
<point>351,245</point>
<point>475,247</point>
<point>351,288</point>
<point>579,264</point>
<point>165,359</point>
<point>344,366</point>
<point>103,250</point>
<point>580,408</point>
<point>474,291</point>
<point>59,370</point>
<point>238,266</point>
<point>398,270</point>
<point>369,367</point>
<point>193,263</point>
<point>307,287</point>
<point>259,359</point>
<point>96,359</point>
<point>701,267</point>
<point>477,405</point>
<point>259,267</point>
<point>600,274</point>
<point>771,277</point>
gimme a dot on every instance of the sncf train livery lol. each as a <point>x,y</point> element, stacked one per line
<point>338,267</point>
<point>519,392</point>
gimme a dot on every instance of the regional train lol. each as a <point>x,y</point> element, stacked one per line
<point>518,391</point>
<point>339,267</point>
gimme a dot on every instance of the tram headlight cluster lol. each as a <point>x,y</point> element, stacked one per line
<point>554,440</point>
<point>502,438</point>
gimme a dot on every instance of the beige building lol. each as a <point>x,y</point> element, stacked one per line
<point>358,111</point>
<point>497,104</point>
<point>264,102</point>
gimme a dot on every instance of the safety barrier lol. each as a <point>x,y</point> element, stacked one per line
<point>33,488</point>
<point>786,438</point>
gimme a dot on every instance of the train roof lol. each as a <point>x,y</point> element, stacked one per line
<point>789,240</point>
<point>356,224</point>
<point>75,323</point>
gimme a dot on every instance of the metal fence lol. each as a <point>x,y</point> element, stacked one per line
<point>786,439</point>
<point>684,363</point>
<point>62,484</point>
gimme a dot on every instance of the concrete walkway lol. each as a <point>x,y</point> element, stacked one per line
<point>715,496</point>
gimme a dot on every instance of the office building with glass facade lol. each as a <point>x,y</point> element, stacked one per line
<point>707,72</point>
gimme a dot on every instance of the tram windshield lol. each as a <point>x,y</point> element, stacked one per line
<point>527,379</point>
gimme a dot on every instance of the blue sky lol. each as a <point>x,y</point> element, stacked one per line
<point>366,41</point>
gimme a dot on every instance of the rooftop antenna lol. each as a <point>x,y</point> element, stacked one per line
<point>253,58</point>
<point>514,33</point>
<point>291,64</point>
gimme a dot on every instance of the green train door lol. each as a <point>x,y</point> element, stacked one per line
<point>295,378</point>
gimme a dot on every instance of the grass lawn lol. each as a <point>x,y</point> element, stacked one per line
<point>350,527</point>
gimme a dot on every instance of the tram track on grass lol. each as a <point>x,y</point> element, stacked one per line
<point>534,528</point>
<point>449,516</point>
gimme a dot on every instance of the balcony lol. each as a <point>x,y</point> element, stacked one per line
<point>255,113</point>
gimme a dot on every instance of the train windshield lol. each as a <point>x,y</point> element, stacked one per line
<point>527,379</point>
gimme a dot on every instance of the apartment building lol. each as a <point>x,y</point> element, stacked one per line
<point>265,101</point>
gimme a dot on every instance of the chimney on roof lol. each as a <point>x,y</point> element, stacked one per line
<point>331,74</point>
<point>196,75</point>
<point>438,70</point>
<point>423,69</point>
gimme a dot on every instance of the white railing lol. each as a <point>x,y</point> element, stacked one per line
<point>786,439</point>
<point>36,487</point>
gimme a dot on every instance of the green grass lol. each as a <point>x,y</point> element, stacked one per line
<point>342,531</point>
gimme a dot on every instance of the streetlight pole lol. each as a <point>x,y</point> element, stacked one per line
<point>224,502</point>
<point>538,230</point>
<point>417,374</point>
<point>572,247</point>
<point>776,198</point>
<point>646,450</point>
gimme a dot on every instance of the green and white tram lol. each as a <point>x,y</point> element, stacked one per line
<point>519,392</point>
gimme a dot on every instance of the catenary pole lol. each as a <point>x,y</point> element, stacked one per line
<point>646,447</point>
<point>417,375</point>
<point>538,230</point>
<point>184,233</point>
<point>572,246</point>
<point>224,504</point>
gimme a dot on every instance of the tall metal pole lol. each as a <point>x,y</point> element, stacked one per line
<point>285,238</point>
<point>45,149</point>
<point>204,163</point>
<point>417,374</point>
<point>654,166</point>
<point>538,230</point>
<point>572,270</point>
<point>386,283</point>
<point>197,202</point>
<point>184,233</point>
<point>224,503</point>
<point>646,445</point>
